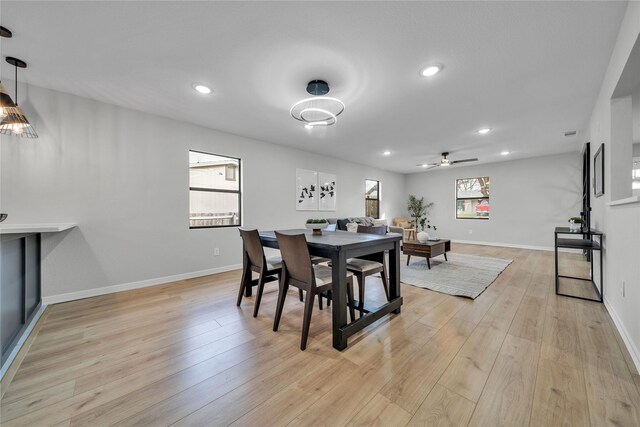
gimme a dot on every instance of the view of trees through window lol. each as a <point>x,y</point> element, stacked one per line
<point>214,190</point>
<point>372,198</point>
<point>472,198</point>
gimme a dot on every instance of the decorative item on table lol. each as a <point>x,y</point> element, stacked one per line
<point>317,225</point>
<point>575,224</point>
<point>3,216</point>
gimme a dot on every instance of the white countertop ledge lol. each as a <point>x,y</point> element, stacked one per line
<point>627,201</point>
<point>35,228</point>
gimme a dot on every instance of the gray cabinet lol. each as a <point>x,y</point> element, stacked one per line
<point>20,286</point>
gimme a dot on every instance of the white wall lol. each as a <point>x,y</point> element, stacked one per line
<point>621,224</point>
<point>528,199</point>
<point>122,175</point>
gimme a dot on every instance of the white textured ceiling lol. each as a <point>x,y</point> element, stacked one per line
<point>529,70</point>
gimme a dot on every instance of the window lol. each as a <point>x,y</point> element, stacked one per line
<point>372,198</point>
<point>472,198</point>
<point>214,190</point>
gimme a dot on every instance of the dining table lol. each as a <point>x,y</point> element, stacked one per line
<point>338,246</point>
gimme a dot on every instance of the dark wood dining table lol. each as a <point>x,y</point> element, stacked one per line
<point>339,246</point>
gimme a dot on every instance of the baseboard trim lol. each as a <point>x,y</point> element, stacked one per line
<point>88,293</point>
<point>633,351</point>
<point>505,245</point>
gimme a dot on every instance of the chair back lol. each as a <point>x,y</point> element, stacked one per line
<point>253,247</point>
<point>295,257</point>
<point>377,229</point>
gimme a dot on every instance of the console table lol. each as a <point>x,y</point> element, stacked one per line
<point>585,243</point>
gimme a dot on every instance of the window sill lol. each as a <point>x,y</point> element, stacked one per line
<point>627,201</point>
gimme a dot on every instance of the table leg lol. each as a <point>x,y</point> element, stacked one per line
<point>428,263</point>
<point>339,296</point>
<point>445,257</point>
<point>394,273</point>
<point>408,258</point>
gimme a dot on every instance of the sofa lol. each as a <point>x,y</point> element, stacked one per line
<point>341,223</point>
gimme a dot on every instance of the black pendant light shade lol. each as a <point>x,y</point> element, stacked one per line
<point>14,121</point>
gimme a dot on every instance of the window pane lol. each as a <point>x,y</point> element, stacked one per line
<point>208,208</point>
<point>472,208</point>
<point>371,189</point>
<point>472,187</point>
<point>211,171</point>
<point>372,208</point>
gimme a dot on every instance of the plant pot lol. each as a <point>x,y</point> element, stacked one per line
<point>423,236</point>
<point>575,227</point>
<point>317,228</point>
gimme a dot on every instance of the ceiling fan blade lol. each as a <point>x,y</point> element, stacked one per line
<point>464,161</point>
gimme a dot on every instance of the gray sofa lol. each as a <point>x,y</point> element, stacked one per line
<point>363,220</point>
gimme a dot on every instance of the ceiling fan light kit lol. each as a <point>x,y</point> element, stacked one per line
<point>445,162</point>
<point>318,110</point>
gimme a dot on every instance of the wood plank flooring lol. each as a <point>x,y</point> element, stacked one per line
<point>183,354</point>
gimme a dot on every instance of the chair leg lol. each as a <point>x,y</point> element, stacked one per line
<point>360,278</point>
<point>352,313</point>
<point>320,301</point>
<point>301,294</point>
<point>329,298</point>
<point>306,321</point>
<point>243,284</point>
<point>261,281</point>
<point>282,294</point>
<point>385,279</point>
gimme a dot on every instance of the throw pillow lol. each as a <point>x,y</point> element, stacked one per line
<point>342,224</point>
<point>379,222</point>
<point>352,227</point>
<point>331,227</point>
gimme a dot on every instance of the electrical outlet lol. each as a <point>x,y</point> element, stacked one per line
<point>216,251</point>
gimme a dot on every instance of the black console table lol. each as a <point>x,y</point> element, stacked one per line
<point>586,242</point>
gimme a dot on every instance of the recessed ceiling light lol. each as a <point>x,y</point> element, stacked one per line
<point>484,131</point>
<point>431,70</point>
<point>424,165</point>
<point>504,153</point>
<point>202,88</point>
<point>386,153</point>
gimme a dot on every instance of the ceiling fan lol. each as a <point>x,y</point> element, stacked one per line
<point>445,162</point>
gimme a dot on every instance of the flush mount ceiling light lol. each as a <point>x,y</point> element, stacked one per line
<point>202,88</point>
<point>484,131</point>
<point>15,122</point>
<point>504,153</point>
<point>431,70</point>
<point>319,110</point>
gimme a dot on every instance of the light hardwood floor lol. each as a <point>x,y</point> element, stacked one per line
<point>183,354</point>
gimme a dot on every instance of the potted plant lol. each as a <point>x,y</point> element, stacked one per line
<point>317,225</point>
<point>423,236</point>
<point>418,211</point>
<point>575,223</point>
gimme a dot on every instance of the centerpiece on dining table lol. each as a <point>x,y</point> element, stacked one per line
<point>317,225</point>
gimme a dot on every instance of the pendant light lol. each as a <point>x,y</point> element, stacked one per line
<point>5,99</point>
<point>15,122</point>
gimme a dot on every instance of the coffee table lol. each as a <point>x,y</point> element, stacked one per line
<point>428,249</point>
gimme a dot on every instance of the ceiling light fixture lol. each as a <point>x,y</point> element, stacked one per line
<point>14,121</point>
<point>387,153</point>
<point>431,70</point>
<point>504,153</point>
<point>202,89</point>
<point>5,98</point>
<point>484,131</point>
<point>319,110</point>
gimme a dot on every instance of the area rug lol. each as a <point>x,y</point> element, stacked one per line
<point>462,275</point>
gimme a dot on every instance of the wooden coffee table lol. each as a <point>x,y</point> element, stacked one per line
<point>427,249</point>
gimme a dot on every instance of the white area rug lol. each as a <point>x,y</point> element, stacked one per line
<point>462,275</point>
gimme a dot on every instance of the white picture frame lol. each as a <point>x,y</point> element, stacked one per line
<point>327,191</point>
<point>306,190</point>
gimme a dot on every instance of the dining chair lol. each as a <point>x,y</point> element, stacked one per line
<point>268,269</point>
<point>298,271</point>
<point>367,265</point>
